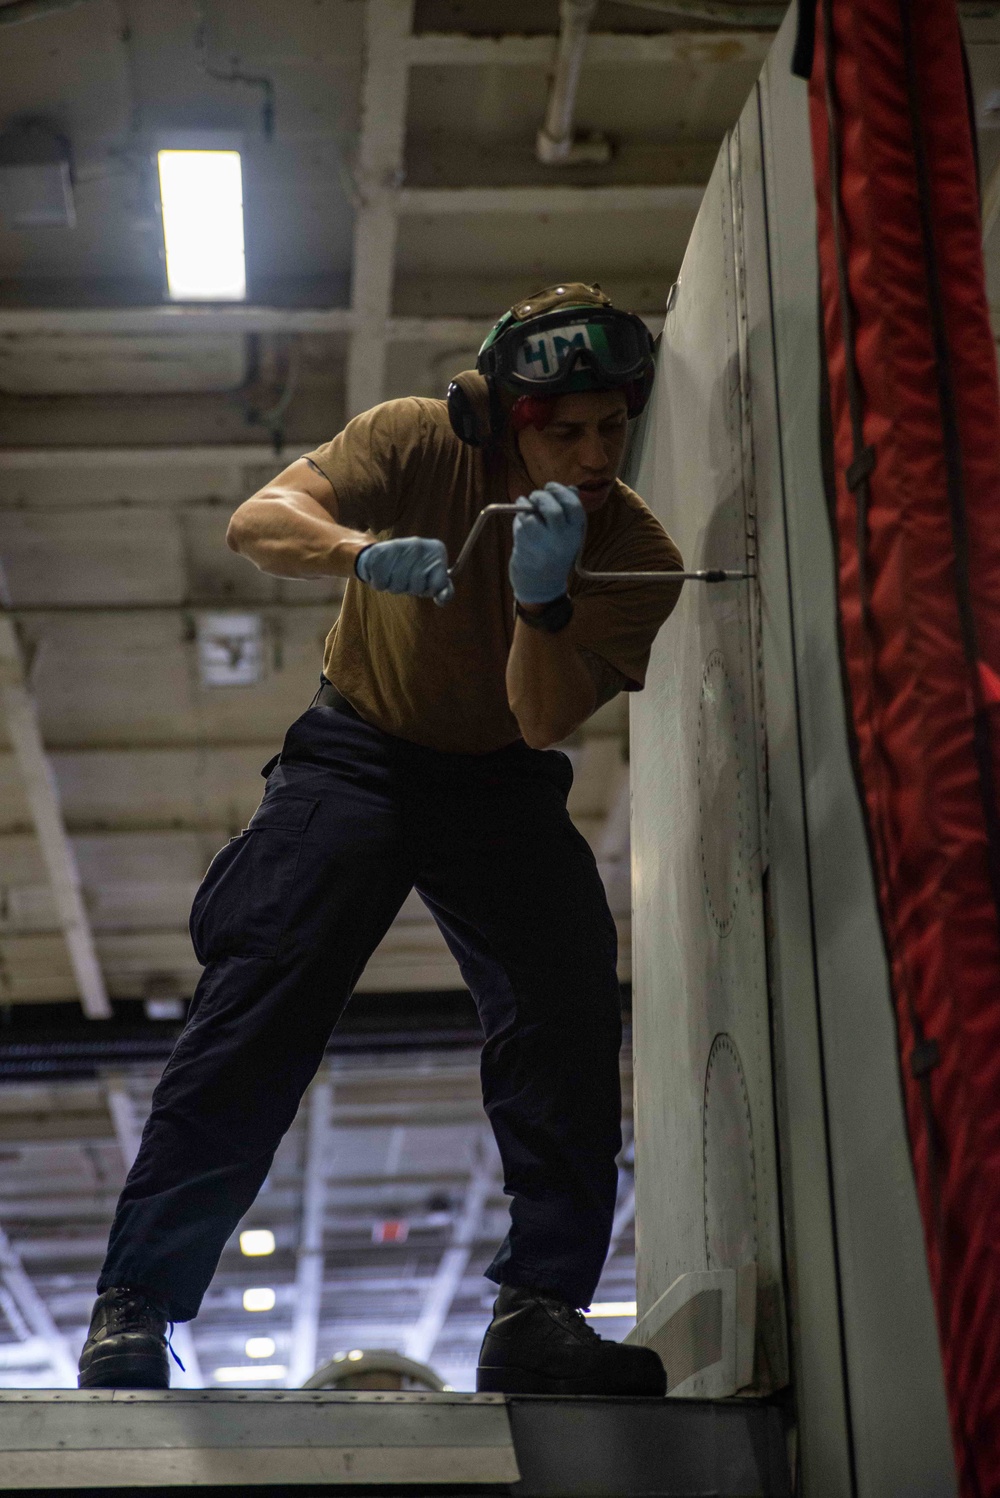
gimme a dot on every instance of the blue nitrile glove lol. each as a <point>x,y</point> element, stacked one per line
<point>547,540</point>
<point>411,564</point>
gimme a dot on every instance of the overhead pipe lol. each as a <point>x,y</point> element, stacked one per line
<point>556,144</point>
<point>233,73</point>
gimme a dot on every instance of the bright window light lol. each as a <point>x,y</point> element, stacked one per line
<point>256,1242</point>
<point>259,1347</point>
<point>201,193</point>
<point>258,1300</point>
<point>612,1308</point>
<point>250,1370</point>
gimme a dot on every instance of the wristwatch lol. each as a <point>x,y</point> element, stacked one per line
<point>552,618</point>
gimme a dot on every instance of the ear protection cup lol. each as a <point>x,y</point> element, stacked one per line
<point>474,409</point>
<point>462,415</point>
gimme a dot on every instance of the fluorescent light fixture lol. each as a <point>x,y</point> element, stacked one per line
<point>259,1347</point>
<point>249,1371</point>
<point>256,1242</point>
<point>164,1009</point>
<point>258,1300</point>
<point>201,194</point>
<point>612,1308</point>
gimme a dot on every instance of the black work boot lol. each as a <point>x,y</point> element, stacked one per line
<point>127,1344</point>
<point>537,1344</point>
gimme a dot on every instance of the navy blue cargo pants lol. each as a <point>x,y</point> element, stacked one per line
<point>285,920</point>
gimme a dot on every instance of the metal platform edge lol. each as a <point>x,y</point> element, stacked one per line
<point>97,1441</point>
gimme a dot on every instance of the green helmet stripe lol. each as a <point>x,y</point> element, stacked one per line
<point>499,328</point>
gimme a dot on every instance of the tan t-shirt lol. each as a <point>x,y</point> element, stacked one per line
<point>436,675</point>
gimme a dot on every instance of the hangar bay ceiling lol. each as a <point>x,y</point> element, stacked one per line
<point>395,203</point>
<point>395,208</point>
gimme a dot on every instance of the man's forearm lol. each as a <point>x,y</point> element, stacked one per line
<point>549,688</point>
<point>290,534</point>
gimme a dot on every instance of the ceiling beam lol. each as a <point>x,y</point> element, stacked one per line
<point>30,322</point>
<point>441,201</point>
<point>15,1320</point>
<point>352,1209</point>
<point>19,1285</point>
<point>128,1133</point>
<point>388,25</point>
<point>126,1126</point>
<point>172,318</point>
<point>225,455</point>
<point>251,740</point>
<point>226,603</point>
<point>434,1113</point>
<point>448,330</point>
<point>717,12</point>
<point>454,1262</point>
<point>608,48</point>
<point>309,1267</point>
<point>19,715</point>
<point>26,1354</point>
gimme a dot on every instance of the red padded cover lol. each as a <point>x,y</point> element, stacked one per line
<point>922,662</point>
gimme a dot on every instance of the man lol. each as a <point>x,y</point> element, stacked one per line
<point>426,762</point>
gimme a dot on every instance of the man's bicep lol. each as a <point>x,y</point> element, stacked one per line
<point>608,680</point>
<point>306,477</point>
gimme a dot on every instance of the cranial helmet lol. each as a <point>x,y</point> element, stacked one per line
<point>562,340</point>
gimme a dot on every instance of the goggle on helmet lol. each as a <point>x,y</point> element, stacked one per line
<point>568,349</point>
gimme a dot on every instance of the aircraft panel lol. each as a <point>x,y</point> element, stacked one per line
<point>705,1165</point>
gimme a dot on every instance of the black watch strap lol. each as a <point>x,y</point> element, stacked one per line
<point>552,618</point>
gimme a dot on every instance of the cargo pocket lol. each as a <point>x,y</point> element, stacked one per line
<point>241,908</point>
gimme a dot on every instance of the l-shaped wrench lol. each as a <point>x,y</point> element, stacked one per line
<point>705,575</point>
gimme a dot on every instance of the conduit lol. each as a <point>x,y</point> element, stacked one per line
<point>556,143</point>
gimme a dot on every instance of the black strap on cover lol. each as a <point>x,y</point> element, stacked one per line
<point>805,40</point>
